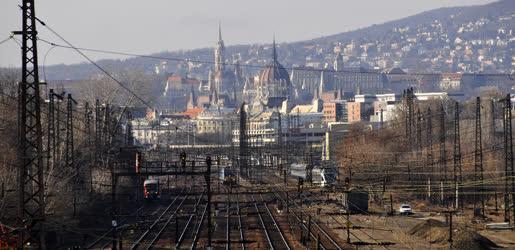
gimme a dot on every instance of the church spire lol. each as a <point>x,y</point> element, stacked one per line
<point>321,85</point>
<point>219,57</point>
<point>338,62</point>
<point>274,52</point>
<point>219,31</point>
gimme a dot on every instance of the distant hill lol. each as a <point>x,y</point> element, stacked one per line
<point>457,39</point>
<point>453,16</point>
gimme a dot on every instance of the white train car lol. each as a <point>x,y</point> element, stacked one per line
<point>319,176</point>
<point>298,170</point>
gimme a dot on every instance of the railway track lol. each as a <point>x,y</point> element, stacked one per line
<point>326,240</point>
<point>240,224</point>
<point>105,239</point>
<point>233,219</point>
<point>196,236</point>
<point>353,234</point>
<point>192,226</point>
<point>148,238</point>
<point>274,235</point>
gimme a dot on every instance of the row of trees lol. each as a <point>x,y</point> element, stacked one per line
<point>70,187</point>
<point>434,158</point>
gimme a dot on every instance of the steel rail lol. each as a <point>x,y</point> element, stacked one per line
<point>263,224</point>
<point>306,228</point>
<point>326,234</point>
<point>160,232</point>
<point>105,235</point>
<point>146,233</point>
<point>197,233</point>
<point>275,223</point>
<point>351,233</point>
<point>228,225</point>
<point>181,238</point>
<point>330,238</point>
<point>242,236</point>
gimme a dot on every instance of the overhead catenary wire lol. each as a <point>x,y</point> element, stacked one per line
<point>96,65</point>
<point>7,39</point>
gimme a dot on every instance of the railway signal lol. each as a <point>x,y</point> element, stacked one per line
<point>183,160</point>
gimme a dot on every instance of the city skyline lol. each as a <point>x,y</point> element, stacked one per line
<point>241,25</point>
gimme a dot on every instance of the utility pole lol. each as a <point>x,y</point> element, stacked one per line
<point>106,129</point>
<point>348,224</point>
<point>410,114</point>
<point>410,126</point>
<point>130,138</point>
<point>51,145</point>
<point>457,156</point>
<point>478,161</point>
<point>31,189</point>
<point>280,133</point>
<point>98,131</point>
<point>443,156</point>
<point>408,105</point>
<point>208,183</point>
<point>508,160</point>
<point>419,133</point>
<point>429,162</point>
<point>87,123</point>
<point>492,121</point>
<point>69,149</point>
<point>114,222</point>
<point>243,141</point>
<point>350,173</point>
<point>58,128</point>
<point>381,120</point>
<point>89,135</point>
<point>450,240</point>
<point>418,146</point>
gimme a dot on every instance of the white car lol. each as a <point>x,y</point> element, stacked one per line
<point>405,209</point>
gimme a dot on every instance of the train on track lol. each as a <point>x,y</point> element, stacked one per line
<point>151,189</point>
<point>227,176</point>
<point>323,176</point>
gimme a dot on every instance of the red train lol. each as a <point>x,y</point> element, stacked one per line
<point>151,189</point>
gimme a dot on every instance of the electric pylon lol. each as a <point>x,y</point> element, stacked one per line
<point>429,162</point>
<point>31,190</point>
<point>478,161</point>
<point>457,172</point>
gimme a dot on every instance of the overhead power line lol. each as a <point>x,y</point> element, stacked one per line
<point>95,64</point>
<point>7,39</point>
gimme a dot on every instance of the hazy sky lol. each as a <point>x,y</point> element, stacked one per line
<point>140,26</point>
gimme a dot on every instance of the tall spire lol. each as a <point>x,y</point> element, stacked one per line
<point>316,94</point>
<point>321,85</point>
<point>338,62</point>
<point>219,56</point>
<point>274,52</point>
<point>219,31</point>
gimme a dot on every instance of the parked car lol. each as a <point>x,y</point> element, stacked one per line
<point>405,209</point>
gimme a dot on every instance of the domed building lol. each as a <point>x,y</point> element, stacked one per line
<point>273,85</point>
